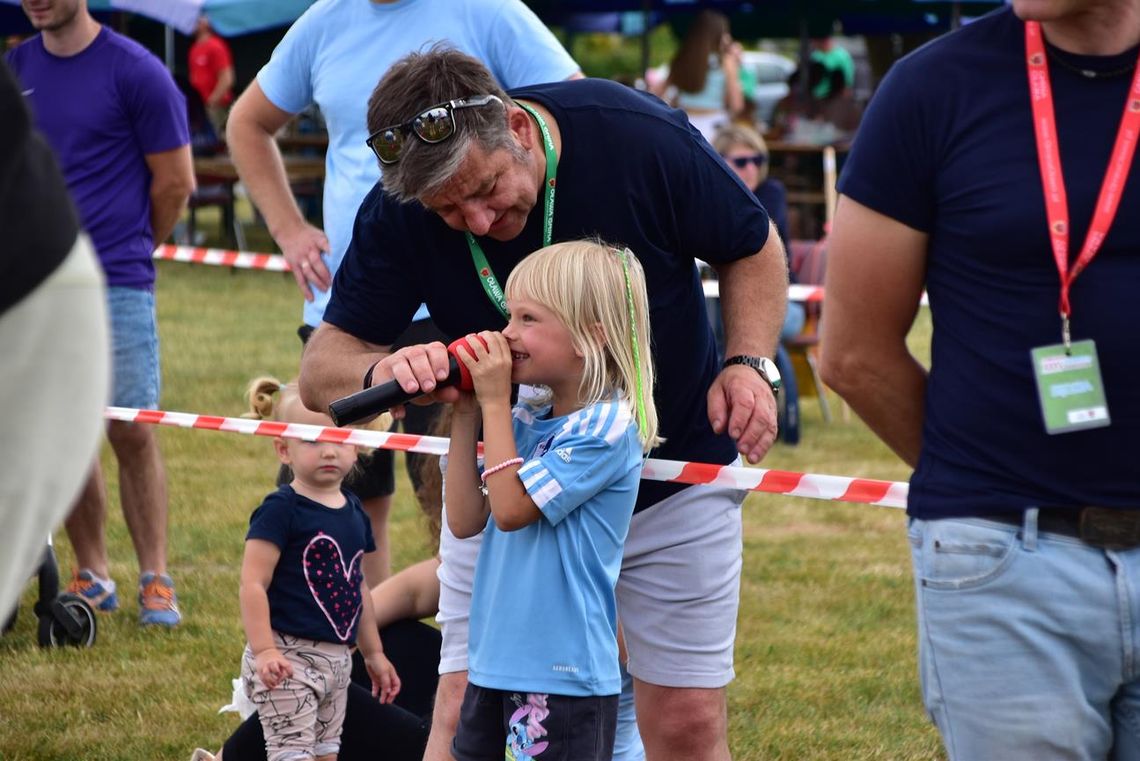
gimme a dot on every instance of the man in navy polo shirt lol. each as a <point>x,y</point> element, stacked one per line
<point>468,191</point>
<point>1025,503</point>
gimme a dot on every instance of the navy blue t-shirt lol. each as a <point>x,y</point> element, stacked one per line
<point>633,172</point>
<point>315,592</point>
<point>773,196</point>
<point>947,148</point>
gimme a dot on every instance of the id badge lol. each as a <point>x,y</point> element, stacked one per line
<point>1069,387</point>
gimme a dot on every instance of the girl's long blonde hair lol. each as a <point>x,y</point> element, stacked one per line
<point>598,291</point>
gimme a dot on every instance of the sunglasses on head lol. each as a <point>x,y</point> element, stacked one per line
<point>432,125</point>
<point>741,162</point>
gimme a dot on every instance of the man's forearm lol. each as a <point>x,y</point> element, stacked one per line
<point>258,160</point>
<point>753,299</point>
<point>876,269</point>
<point>888,393</point>
<point>166,207</point>
<point>333,366</point>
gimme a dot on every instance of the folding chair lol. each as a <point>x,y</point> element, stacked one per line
<point>808,262</point>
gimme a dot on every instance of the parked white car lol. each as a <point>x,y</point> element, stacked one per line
<point>771,71</point>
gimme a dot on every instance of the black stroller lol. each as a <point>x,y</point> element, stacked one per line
<point>64,619</point>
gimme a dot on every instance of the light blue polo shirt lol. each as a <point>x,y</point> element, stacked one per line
<point>336,53</point>
<point>543,611</point>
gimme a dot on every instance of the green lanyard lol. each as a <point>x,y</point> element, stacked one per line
<point>482,266</point>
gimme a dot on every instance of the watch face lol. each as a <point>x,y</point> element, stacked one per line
<point>770,370</point>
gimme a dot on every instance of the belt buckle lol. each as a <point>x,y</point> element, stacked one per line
<point>1110,529</point>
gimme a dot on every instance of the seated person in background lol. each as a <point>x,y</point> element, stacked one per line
<point>746,153</point>
<point>833,68</point>
<point>704,76</point>
<point>826,112</point>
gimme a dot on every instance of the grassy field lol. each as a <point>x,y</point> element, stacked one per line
<point>825,646</point>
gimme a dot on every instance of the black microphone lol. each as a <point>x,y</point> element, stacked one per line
<point>376,399</point>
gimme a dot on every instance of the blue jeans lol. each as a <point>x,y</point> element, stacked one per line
<point>1028,641</point>
<point>134,348</point>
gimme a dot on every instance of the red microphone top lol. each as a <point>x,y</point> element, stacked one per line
<point>465,382</point>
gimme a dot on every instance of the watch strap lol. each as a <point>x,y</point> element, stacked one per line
<point>757,364</point>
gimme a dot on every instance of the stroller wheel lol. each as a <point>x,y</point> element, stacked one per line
<point>71,621</point>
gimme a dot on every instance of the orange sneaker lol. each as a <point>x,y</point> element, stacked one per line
<point>158,605</point>
<point>99,593</point>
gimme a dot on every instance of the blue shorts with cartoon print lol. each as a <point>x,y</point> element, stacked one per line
<point>494,724</point>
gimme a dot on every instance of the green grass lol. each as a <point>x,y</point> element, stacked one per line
<point>825,644</point>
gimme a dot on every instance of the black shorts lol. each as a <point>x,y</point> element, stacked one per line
<point>375,474</point>
<point>560,726</point>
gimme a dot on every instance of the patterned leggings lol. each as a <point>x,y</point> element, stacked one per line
<point>302,716</point>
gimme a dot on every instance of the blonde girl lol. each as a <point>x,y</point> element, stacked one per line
<point>303,592</point>
<point>555,500</point>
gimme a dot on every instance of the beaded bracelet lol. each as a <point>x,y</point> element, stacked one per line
<point>495,469</point>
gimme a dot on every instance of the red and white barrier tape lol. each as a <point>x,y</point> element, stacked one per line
<point>222,258</point>
<point>276,263</point>
<point>796,292</point>
<point>836,488</point>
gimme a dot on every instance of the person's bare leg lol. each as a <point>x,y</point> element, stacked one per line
<point>86,525</point>
<point>682,723</point>
<point>445,715</point>
<point>378,565</point>
<point>142,491</point>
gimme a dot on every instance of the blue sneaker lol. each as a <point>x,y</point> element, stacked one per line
<point>99,593</point>
<point>158,605</point>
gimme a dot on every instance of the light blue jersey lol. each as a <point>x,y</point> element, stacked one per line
<point>543,612</point>
<point>336,53</point>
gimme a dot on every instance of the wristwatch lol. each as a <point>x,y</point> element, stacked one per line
<point>766,367</point>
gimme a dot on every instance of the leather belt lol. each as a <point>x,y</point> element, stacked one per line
<point>1104,527</point>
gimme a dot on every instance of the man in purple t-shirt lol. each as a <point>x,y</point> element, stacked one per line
<point>117,123</point>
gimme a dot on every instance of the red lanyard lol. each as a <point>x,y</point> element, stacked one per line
<point>1049,158</point>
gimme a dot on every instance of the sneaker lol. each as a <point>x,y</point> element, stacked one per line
<point>99,593</point>
<point>201,754</point>
<point>157,602</point>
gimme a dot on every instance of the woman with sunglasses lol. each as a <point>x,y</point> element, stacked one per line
<point>745,151</point>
